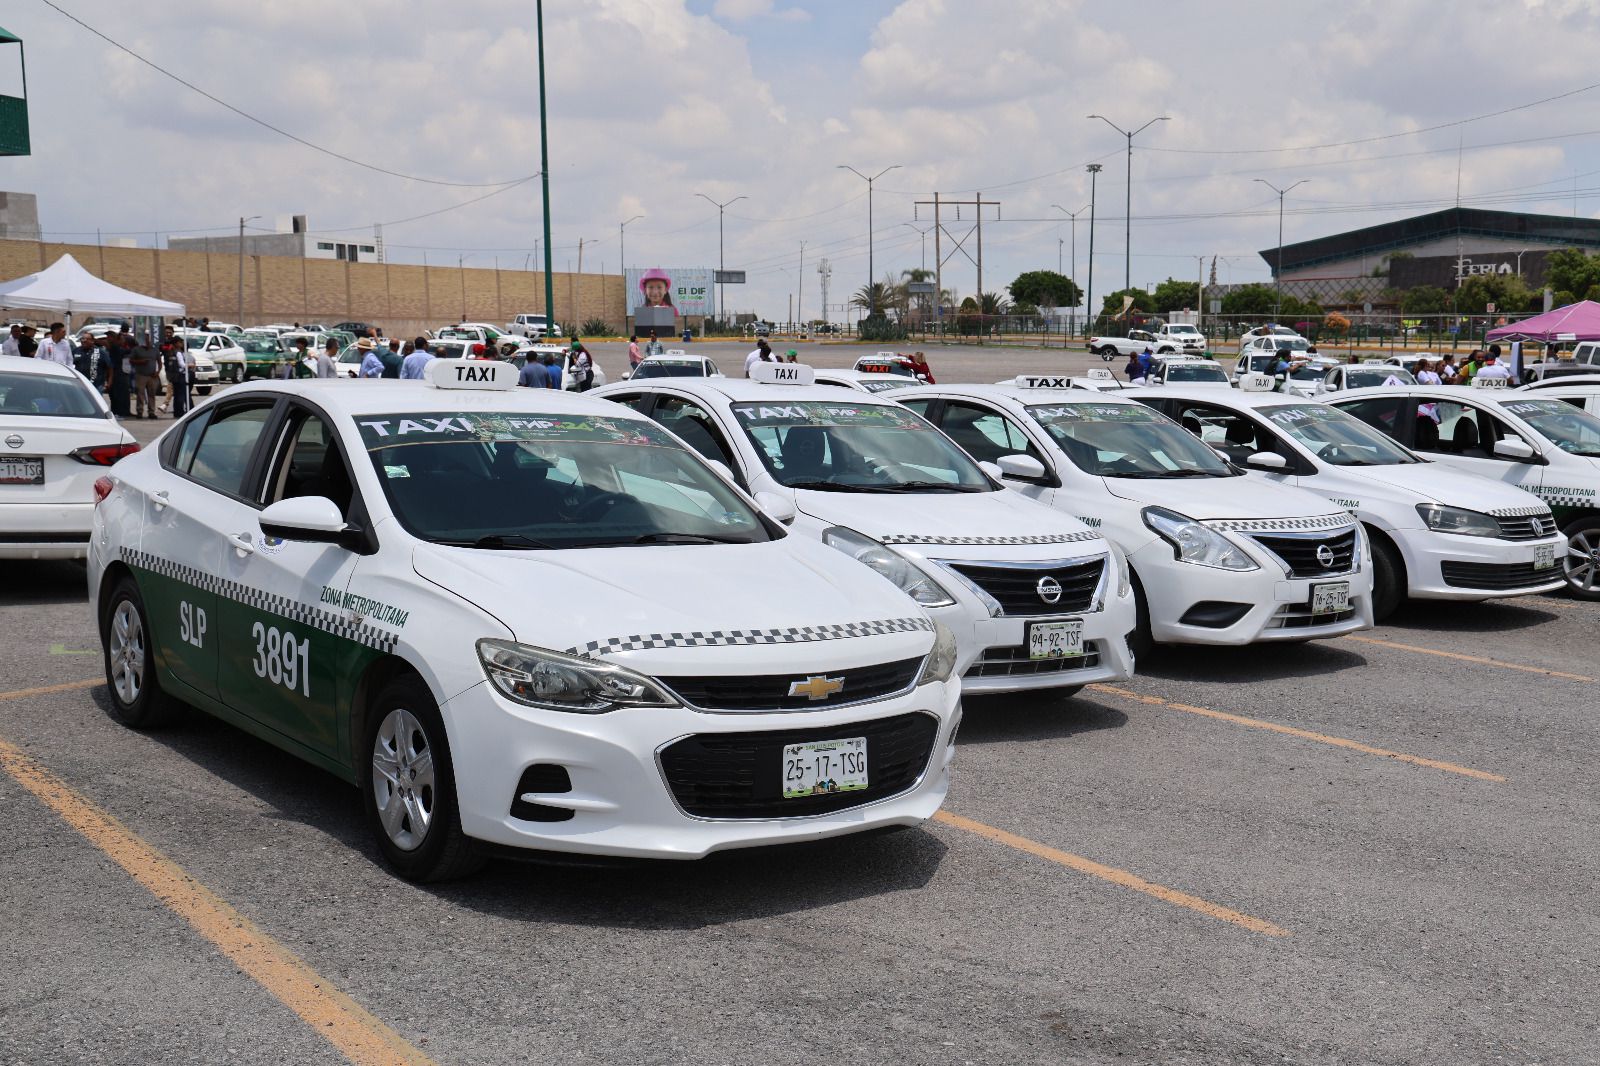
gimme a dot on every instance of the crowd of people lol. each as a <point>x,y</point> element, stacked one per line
<point>128,367</point>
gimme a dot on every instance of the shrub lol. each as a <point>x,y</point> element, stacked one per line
<point>596,327</point>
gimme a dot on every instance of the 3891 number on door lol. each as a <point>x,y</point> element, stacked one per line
<point>282,659</point>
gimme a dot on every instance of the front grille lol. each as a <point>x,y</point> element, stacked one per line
<point>1527,527</point>
<point>1016,588</point>
<point>1299,554</point>
<point>740,775</point>
<point>1013,661</point>
<point>1497,575</point>
<point>770,692</point>
<point>1299,616</point>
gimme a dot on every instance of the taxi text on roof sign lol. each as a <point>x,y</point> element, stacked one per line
<point>1040,381</point>
<point>1481,382</point>
<point>783,374</point>
<point>472,374</point>
<point>1257,382</point>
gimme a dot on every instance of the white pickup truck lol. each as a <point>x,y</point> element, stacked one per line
<point>1178,339</point>
<point>532,327</point>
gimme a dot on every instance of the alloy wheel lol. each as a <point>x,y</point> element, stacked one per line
<point>403,779</point>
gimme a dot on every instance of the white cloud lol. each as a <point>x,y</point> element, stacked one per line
<point>745,10</point>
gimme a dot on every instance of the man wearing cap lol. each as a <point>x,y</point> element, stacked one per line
<point>371,365</point>
<point>791,356</point>
<point>415,366</point>
<point>1493,368</point>
<point>762,354</point>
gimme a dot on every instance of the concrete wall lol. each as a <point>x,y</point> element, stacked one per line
<point>402,299</point>
<point>19,215</point>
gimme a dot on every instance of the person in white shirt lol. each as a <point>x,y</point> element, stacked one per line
<point>12,345</point>
<point>56,347</point>
<point>1493,368</point>
<point>762,354</point>
<point>1426,375</point>
<point>328,360</point>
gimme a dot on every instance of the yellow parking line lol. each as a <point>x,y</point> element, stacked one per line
<point>1303,734</point>
<point>1110,873</point>
<point>45,690</point>
<point>1480,660</point>
<point>331,1014</point>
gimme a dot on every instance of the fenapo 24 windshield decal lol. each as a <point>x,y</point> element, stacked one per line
<point>382,431</point>
<point>1090,412</point>
<point>827,414</point>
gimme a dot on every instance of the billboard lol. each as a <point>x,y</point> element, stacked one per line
<point>686,290</point>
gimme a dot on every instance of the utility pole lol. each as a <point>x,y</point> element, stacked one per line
<point>1127,278</point>
<point>1094,174</point>
<point>622,243</point>
<point>721,311</point>
<point>461,273</point>
<point>544,177</point>
<point>1199,292</point>
<point>577,301</point>
<point>825,272</point>
<point>924,233</point>
<point>938,203</point>
<point>872,294</point>
<point>1277,273</point>
<point>800,285</point>
<point>1073,215</point>
<point>242,221</point>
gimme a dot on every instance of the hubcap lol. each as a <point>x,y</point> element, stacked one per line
<point>1583,558</point>
<point>402,779</point>
<point>126,652</point>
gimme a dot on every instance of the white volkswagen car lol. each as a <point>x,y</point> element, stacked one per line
<point>56,437</point>
<point>1217,558</point>
<point>1436,534</point>
<point>1528,440</point>
<point>1035,598</point>
<point>514,619</point>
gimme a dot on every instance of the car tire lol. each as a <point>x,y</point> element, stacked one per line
<point>414,819</point>
<point>1388,577</point>
<point>128,648</point>
<point>1108,353</point>
<point>1581,566</point>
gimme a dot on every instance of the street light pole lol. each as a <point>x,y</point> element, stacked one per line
<point>1074,216</point>
<point>462,274</point>
<point>544,177</point>
<point>924,234</point>
<point>872,294</point>
<point>1277,273</point>
<point>242,221</point>
<point>1127,278</point>
<point>721,311</point>
<point>1094,173</point>
<point>622,256</point>
<point>800,289</point>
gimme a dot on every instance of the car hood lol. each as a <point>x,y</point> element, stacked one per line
<point>1439,483</point>
<point>665,605</point>
<point>1213,498</point>
<point>1007,522</point>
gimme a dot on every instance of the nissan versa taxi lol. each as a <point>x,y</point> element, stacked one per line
<point>514,618</point>
<point>1035,599</point>
<point>1217,558</point>
<point>1435,533</point>
<point>1523,439</point>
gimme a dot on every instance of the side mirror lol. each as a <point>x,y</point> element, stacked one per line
<point>780,509</point>
<point>992,469</point>
<point>1224,456</point>
<point>1268,461</point>
<point>1514,448</point>
<point>1021,467</point>
<point>720,467</point>
<point>306,518</point>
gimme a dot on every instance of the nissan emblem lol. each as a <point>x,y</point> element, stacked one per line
<point>1324,555</point>
<point>1049,589</point>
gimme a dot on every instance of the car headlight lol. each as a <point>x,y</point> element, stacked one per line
<point>910,578</point>
<point>1124,571</point>
<point>1442,519</point>
<point>941,662</point>
<point>1361,547</point>
<point>541,678</point>
<point>1195,543</point>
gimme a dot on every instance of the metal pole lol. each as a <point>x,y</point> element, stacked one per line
<point>1277,279</point>
<point>872,295</point>
<point>462,274</point>
<point>721,311</point>
<point>544,176</point>
<point>938,268</point>
<point>978,196</point>
<point>1127,279</point>
<point>241,270</point>
<point>1094,171</point>
<point>622,256</point>
<point>800,285</point>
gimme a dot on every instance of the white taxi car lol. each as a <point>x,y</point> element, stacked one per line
<point>674,363</point>
<point>1435,534</point>
<point>56,437</point>
<point>1180,370</point>
<point>1035,598</point>
<point>1337,377</point>
<point>516,619</point>
<point>1528,440</point>
<point>1217,558</point>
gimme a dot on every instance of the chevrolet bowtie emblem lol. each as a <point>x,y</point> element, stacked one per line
<point>816,688</point>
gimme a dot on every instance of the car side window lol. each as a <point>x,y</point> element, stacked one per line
<point>639,401</point>
<point>1455,430</point>
<point>188,440</point>
<point>694,424</point>
<point>1384,413</point>
<point>921,405</point>
<point>222,458</point>
<point>309,463</point>
<point>985,434</point>
<point>1231,433</point>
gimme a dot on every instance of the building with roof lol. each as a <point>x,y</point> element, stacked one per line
<point>291,239</point>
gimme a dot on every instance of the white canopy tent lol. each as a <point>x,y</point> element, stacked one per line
<point>66,287</point>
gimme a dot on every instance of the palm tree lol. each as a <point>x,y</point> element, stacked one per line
<point>876,295</point>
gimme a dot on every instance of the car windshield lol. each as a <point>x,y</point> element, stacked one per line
<point>888,386</point>
<point>1308,372</point>
<point>259,345</point>
<point>1126,440</point>
<point>895,368</point>
<point>1360,377</point>
<point>1562,424</point>
<point>1334,437</point>
<point>671,368</point>
<point>856,447</point>
<point>1291,344</point>
<point>1259,364</point>
<point>192,341</point>
<point>531,480</point>
<point>30,394</point>
<point>1187,330</point>
<point>1188,372</point>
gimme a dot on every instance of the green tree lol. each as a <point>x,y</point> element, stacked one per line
<point>1425,300</point>
<point>1173,295</point>
<point>1113,302</point>
<point>1570,271</point>
<point>1045,288</point>
<point>1250,301</point>
<point>1507,292</point>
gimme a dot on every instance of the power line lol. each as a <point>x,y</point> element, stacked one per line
<point>276,129</point>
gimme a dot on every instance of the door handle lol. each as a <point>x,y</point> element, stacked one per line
<point>243,543</point>
<point>160,500</point>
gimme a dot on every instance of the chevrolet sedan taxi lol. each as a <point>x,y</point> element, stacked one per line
<point>1035,598</point>
<point>1218,558</point>
<point>515,619</point>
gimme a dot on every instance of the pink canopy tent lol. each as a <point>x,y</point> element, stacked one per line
<point>1574,322</point>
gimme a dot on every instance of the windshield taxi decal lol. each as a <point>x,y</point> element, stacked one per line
<point>1090,412</point>
<point>384,430</point>
<point>827,414</point>
<point>722,638</point>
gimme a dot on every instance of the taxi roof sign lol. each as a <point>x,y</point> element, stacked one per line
<point>1257,383</point>
<point>1100,373</point>
<point>472,374</point>
<point>783,374</point>
<point>1481,382</point>
<point>1042,381</point>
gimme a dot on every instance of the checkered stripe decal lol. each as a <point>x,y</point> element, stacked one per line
<point>301,613</point>
<point>722,638</point>
<point>1044,538</point>
<point>1275,525</point>
<point>1520,512</point>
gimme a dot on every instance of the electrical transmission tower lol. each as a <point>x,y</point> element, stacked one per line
<point>825,272</point>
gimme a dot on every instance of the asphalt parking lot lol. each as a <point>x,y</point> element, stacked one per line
<point>1378,849</point>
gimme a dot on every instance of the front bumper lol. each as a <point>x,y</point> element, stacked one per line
<point>45,530</point>
<point>1447,566</point>
<point>620,799</point>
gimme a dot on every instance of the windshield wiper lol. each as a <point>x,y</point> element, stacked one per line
<point>829,486</point>
<point>501,542</point>
<point>1150,475</point>
<point>688,538</point>
<point>928,486</point>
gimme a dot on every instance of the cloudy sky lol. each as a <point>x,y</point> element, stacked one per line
<point>653,101</point>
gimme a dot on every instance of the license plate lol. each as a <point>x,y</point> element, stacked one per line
<point>1544,557</point>
<point>824,766</point>
<point>21,470</point>
<point>1055,640</point>
<point>1330,599</point>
